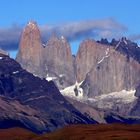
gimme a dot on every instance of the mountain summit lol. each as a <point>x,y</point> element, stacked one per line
<point>29,54</point>
<point>52,60</point>
<point>58,61</point>
<point>100,68</point>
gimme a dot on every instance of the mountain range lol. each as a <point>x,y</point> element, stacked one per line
<point>33,103</point>
<point>47,87</point>
<point>99,70</point>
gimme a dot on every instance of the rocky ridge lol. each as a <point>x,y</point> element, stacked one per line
<point>99,68</point>
<point>34,103</point>
<point>105,70</point>
<point>52,60</point>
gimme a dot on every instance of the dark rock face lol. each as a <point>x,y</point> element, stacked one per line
<point>112,117</point>
<point>34,103</point>
<point>124,46</point>
<point>104,69</point>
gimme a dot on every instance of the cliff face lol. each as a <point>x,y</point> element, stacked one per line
<point>58,61</point>
<point>52,60</point>
<point>102,67</point>
<point>88,56</point>
<point>105,70</point>
<point>29,54</point>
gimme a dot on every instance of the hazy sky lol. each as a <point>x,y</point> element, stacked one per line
<point>76,19</point>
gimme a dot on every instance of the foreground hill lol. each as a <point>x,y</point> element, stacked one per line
<point>30,102</point>
<point>78,132</point>
<point>95,132</point>
<point>16,134</point>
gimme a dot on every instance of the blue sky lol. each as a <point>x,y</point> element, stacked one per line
<point>53,12</point>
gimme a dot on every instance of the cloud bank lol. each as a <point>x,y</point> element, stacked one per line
<point>73,31</point>
<point>104,28</point>
<point>134,37</point>
<point>9,37</point>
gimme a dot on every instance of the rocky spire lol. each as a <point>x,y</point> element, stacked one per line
<point>57,57</point>
<point>29,54</point>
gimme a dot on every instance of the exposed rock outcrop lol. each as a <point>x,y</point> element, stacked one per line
<point>52,60</point>
<point>29,54</point>
<point>58,61</point>
<point>125,46</point>
<point>31,102</point>
<point>103,66</point>
<point>105,70</point>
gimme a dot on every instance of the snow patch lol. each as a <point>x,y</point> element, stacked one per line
<point>62,37</point>
<point>125,41</point>
<point>106,56</point>
<point>104,101</point>
<point>31,25</point>
<point>102,59</point>
<point>35,75</point>
<point>108,100</point>
<point>48,78</point>
<point>107,51</point>
<point>74,91</point>
<point>62,75</point>
<point>117,45</point>
<point>44,45</point>
<point>15,72</point>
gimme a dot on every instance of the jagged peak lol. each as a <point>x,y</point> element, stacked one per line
<point>31,25</point>
<point>87,41</point>
<point>124,40</point>
<point>53,37</point>
<point>63,39</point>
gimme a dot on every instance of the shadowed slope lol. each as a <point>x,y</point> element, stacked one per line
<point>95,132</point>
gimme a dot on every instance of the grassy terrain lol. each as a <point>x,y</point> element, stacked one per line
<point>78,132</point>
<point>16,134</point>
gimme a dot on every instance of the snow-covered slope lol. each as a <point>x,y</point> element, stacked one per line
<point>74,91</point>
<point>111,101</point>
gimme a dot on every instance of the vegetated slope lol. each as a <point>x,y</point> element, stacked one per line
<point>16,134</point>
<point>95,132</point>
<point>77,132</point>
